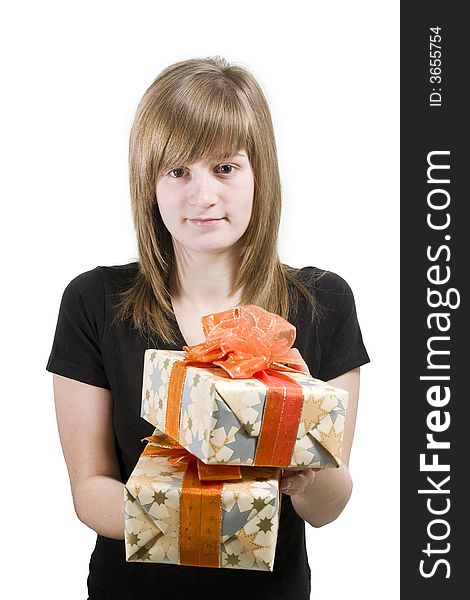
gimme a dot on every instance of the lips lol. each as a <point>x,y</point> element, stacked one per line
<point>205,221</point>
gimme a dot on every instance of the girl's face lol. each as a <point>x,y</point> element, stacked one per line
<point>207,207</point>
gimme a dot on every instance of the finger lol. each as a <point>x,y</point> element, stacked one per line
<point>286,484</point>
<point>291,481</point>
<point>292,491</point>
<point>295,484</point>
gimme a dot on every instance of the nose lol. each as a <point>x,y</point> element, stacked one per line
<point>202,188</point>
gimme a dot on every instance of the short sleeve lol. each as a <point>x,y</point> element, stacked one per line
<point>342,347</point>
<point>76,348</point>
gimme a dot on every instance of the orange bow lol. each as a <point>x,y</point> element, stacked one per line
<point>245,340</point>
<point>166,446</point>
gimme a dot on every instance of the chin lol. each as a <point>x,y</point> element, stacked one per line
<point>215,248</point>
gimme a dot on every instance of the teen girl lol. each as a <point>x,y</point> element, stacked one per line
<point>206,204</point>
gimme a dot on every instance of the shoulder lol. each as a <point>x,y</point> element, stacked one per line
<point>103,277</point>
<point>120,271</point>
<point>322,280</point>
<point>118,277</point>
<point>340,346</point>
<point>83,290</point>
<point>327,287</point>
<point>89,288</point>
<point>333,299</point>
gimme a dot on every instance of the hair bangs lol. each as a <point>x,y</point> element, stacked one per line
<point>206,129</point>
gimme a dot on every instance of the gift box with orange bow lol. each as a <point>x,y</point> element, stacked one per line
<point>244,396</point>
<point>179,510</point>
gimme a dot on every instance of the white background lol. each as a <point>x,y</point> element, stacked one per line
<point>72,77</point>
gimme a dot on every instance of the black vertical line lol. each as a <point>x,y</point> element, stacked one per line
<point>434,124</point>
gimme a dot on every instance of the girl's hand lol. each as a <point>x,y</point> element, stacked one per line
<point>296,481</point>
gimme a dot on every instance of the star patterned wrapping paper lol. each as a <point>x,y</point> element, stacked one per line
<point>245,530</point>
<point>220,418</point>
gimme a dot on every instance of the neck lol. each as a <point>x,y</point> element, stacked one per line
<point>204,280</point>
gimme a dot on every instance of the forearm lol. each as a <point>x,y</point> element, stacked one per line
<point>99,504</point>
<point>325,498</point>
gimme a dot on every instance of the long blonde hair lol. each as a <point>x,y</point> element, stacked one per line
<point>198,110</point>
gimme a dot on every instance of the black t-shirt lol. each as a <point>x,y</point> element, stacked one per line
<point>88,348</point>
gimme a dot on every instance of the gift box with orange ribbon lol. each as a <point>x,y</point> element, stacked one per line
<point>244,396</point>
<point>179,510</point>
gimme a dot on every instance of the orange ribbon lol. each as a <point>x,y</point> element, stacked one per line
<point>280,423</point>
<point>245,340</point>
<point>165,446</point>
<point>200,502</point>
<point>249,341</point>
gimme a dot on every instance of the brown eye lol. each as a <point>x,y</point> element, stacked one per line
<point>225,172</point>
<point>179,173</point>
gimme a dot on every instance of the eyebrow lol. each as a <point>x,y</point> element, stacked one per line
<point>227,156</point>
